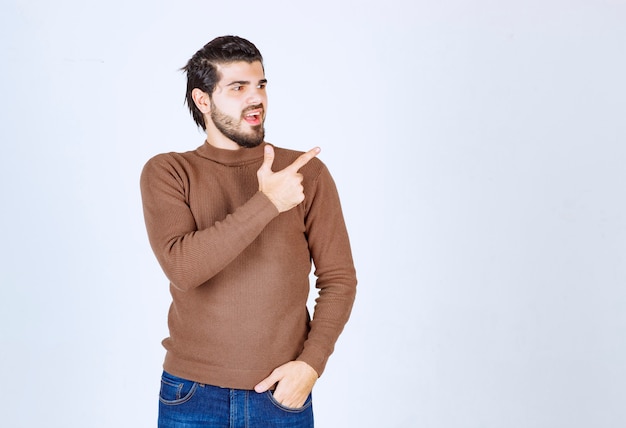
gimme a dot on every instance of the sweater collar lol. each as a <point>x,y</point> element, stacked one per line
<point>231,157</point>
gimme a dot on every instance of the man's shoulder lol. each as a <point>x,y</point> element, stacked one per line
<point>173,157</point>
<point>177,163</point>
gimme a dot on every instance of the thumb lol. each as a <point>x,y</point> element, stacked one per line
<point>267,383</point>
<point>268,158</point>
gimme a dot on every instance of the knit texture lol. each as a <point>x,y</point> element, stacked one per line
<point>239,270</point>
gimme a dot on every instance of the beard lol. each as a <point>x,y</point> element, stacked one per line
<point>232,128</point>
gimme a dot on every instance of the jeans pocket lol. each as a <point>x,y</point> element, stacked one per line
<point>275,402</point>
<point>176,390</point>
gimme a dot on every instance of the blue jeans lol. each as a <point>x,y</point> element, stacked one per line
<point>187,404</point>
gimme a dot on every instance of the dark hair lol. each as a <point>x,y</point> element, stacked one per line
<point>202,71</point>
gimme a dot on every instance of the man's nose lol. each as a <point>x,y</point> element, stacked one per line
<point>255,96</point>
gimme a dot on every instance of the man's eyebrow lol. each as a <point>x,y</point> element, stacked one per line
<point>245,82</point>
<point>239,83</point>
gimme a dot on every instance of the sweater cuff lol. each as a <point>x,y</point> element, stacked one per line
<point>315,358</point>
<point>264,201</point>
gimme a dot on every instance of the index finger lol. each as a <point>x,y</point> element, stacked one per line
<point>304,158</point>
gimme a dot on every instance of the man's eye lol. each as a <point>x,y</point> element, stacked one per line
<point>262,85</point>
<point>237,88</point>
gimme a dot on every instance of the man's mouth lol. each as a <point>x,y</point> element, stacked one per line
<point>253,117</point>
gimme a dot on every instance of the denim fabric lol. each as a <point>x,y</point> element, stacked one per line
<point>187,404</point>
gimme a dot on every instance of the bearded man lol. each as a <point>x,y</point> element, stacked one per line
<point>236,226</point>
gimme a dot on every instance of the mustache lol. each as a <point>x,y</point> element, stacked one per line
<point>254,107</point>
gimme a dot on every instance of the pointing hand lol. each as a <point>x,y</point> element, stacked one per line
<point>283,188</point>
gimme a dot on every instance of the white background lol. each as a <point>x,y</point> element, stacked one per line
<point>479,149</point>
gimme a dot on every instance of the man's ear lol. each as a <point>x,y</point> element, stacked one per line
<point>201,100</point>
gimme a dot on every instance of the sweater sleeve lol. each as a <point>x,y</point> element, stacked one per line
<point>334,269</point>
<point>189,257</point>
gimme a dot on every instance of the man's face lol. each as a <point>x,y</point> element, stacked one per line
<point>239,101</point>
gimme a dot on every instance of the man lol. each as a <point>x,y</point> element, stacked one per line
<point>235,225</point>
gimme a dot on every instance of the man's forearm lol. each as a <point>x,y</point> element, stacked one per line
<point>188,256</point>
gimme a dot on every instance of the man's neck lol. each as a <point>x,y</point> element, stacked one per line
<point>221,142</point>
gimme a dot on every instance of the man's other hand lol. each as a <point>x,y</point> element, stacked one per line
<point>295,382</point>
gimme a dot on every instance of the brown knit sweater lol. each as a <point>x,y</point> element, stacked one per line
<point>239,270</point>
